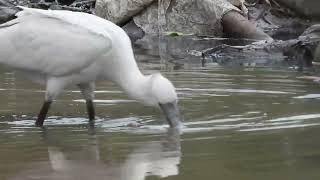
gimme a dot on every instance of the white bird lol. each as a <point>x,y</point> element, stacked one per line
<point>61,48</point>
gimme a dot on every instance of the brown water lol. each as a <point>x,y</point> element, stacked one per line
<point>240,123</point>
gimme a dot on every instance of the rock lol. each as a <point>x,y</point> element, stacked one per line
<point>308,8</point>
<point>241,4</point>
<point>5,3</point>
<point>235,25</point>
<point>317,54</point>
<point>298,52</point>
<point>278,22</point>
<point>120,11</point>
<point>65,2</point>
<point>6,14</point>
<point>235,2</point>
<point>201,17</point>
<point>313,33</point>
<point>133,31</point>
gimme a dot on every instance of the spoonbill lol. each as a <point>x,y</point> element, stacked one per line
<point>60,48</point>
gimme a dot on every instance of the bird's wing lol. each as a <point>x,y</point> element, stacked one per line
<point>54,43</point>
<point>90,22</point>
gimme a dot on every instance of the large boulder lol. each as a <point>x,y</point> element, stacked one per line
<point>201,17</point>
<point>308,8</point>
<point>120,11</point>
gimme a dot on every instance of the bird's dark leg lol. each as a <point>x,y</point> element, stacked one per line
<point>54,87</point>
<point>90,109</point>
<point>43,113</point>
<point>87,91</point>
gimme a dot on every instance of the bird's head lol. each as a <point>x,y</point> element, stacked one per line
<point>164,95</point>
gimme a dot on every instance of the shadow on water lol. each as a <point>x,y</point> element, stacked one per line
<point>231,53</point>
<point>241,122</point>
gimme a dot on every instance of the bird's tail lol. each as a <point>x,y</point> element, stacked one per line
<point>7,11</point>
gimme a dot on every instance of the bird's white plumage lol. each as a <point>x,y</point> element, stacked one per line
<point>62,48</point>
<point>163,89</point>
<point>41,41</point>
<point>94,24</point>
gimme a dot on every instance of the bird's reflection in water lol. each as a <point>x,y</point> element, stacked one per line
<point>153,158</point>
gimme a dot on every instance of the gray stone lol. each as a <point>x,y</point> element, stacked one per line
<point>8,13</point>
<point>235,2</point>
<point>308,8</point>
<point>313,34</point>
<point>317,54</point>
<point>201,17</point>
<point>120,11</point>
<point>133,31</point>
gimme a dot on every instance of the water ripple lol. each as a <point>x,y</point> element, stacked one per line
<point>236,91</point>
<point>308,96</point>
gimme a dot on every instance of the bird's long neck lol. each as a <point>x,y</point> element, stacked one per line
<point>122,68</point>
<point>135,84</point>
<point>126,74</point>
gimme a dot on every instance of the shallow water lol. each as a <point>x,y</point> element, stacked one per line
<point>239,123</point>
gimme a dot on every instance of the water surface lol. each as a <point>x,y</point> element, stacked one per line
<point>239,123</point>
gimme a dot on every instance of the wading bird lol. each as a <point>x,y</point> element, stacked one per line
<point>62,48</point>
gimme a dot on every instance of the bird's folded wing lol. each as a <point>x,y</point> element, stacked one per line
<point>47,44</point>
<point>90,22</point>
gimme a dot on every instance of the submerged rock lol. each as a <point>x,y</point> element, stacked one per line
<point>300,52</point>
